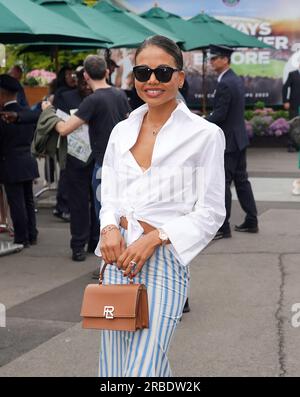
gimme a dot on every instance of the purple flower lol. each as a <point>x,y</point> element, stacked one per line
<point>260,125</point>
<point>249,129</point>
<point>279,127</point>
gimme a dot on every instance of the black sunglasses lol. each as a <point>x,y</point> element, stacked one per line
<point>162,73</point>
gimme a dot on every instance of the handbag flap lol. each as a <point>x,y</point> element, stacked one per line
<point>111,301</point>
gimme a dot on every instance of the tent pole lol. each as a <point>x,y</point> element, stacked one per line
<point>56,62</point>
<point>204,99</point>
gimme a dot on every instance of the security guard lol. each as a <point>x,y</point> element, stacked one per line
<point>228,114</point>
<point>18,168</point>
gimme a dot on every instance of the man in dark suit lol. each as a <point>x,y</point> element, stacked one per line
<point>228,114</point>
<point>291,99</point>
<point>18,168</point>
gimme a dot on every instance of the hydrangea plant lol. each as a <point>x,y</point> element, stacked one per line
<point>39,77</point>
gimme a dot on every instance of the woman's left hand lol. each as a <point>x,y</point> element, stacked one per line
<point>138,252</point>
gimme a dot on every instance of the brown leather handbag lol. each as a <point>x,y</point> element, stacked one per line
<point>116,307</point>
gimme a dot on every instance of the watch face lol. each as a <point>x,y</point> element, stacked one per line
<point>163,236</point>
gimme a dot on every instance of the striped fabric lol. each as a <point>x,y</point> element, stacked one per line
<point>144,353</point>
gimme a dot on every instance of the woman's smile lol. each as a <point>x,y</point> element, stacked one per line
<point>153,92</point>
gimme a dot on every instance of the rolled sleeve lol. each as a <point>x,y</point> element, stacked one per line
<point>190,233</point>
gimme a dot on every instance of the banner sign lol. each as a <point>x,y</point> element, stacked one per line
<point>276,22</point>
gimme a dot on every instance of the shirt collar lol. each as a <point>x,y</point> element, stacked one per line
<point>222,74</point>
<point>181,107</point>
<point>136,118</point>
<point>10,102</point>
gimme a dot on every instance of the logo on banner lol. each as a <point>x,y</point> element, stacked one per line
<point>231,3</point>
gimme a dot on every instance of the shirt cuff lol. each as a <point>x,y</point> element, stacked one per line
<point>109,218</point>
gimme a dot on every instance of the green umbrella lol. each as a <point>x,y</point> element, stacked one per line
<point>125,19</point>
<point>122,30</point>
<point>172,23</point>
<point>201,31</point>
<point>213,31</point>
<point>22,21</point>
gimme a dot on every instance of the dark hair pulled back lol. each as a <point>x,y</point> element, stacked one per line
<point>169,46</point>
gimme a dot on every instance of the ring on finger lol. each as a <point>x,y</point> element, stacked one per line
<point>132,265</point>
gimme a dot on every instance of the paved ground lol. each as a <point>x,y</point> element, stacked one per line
<point>242,291</point>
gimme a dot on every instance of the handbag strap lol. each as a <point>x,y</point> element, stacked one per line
<point>101,275</point>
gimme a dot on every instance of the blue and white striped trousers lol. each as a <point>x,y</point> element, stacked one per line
<point>144,353</point>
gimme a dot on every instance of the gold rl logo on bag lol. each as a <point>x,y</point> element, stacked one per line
<point>108,312</point>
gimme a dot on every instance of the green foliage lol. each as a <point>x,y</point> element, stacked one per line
<point>32,82</point>
<point>259,105</point>
<point>39,60</point>
<point>90,2</point>
<point>248,114</point>
<point>278,114</point>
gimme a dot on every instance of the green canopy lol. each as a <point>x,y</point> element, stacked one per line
<point>201,31</point>
<point>126,21</point>
<point>172,23</point>
<point>22,21</point>
<point>122,30</point>
<point>214,31</point>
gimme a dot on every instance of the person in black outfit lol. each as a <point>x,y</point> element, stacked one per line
<point>291,102</point>
<point>18,168</point>
<point>101,110</point>
<point>228,114</point>
<point>84,225</point>
<point>65,82</point>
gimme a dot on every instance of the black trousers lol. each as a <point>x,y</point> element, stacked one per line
<point>21,205</point>
<point>236,171</point>
<point>62,198</point>
<point>84,225</point>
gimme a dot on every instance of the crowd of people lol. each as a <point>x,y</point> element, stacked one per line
<point>112,143</point>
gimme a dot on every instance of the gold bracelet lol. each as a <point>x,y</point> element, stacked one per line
<point>108,229</point>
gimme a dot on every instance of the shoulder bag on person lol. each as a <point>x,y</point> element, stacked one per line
<point>116,307</point>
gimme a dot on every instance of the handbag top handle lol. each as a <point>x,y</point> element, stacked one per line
<point>101,275</point>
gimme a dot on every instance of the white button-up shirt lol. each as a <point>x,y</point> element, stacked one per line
<point>221,75</point>
<point>183,191</point>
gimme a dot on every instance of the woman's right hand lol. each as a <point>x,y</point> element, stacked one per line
<point>112,245</point>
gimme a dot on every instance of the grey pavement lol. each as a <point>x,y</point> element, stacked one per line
<point>242,292</point>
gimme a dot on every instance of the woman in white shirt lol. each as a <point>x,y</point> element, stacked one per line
<point>162,200</point>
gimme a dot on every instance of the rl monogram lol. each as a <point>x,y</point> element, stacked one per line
<point>109,312</point>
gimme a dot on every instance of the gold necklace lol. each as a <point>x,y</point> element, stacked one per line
<point>155,132</point>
